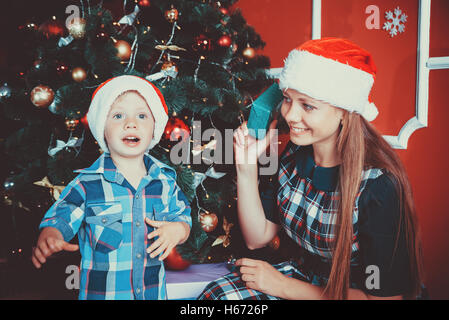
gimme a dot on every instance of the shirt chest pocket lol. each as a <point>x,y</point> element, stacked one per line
<point>161,212</point>
<point>105,222</point>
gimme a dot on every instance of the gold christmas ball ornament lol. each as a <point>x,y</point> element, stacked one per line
<point>249,52</point>
<point>77,28</point>
<point>171,15</point>
<point>42,96</point>
<point>123,49</point>
<point>79,74</point>
<point>71,124</point>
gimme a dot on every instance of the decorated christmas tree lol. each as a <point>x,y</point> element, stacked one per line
<point>201,54</point>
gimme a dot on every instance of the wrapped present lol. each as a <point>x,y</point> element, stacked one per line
<point>189,283</point>
<point>262,111</point>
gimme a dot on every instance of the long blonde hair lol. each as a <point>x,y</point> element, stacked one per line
<point>361,147</point>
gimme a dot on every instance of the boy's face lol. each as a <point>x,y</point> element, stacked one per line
<point>129,126</point>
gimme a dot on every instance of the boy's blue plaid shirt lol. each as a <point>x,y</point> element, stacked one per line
<point>108,215</point>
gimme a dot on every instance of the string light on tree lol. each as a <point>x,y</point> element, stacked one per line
<point>71,124</point>
<point>202,44</point>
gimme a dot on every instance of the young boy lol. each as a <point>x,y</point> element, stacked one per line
<point>109,203</point>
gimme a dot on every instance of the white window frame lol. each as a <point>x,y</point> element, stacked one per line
<point>424,65</point>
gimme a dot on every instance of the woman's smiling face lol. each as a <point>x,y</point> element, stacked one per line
<point>310,121</point>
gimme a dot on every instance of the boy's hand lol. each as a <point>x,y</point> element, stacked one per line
<point>170,234</point>
<point>50,241</point>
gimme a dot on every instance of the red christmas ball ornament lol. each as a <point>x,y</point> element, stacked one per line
<point>275,243</point>
<point>225,41</point>
<point>175,129</point>
<point>83,120</point>
<point>224,11</point>
<point>172,15</point>
<point>51,29</point>
<point>144,3</point>
<point>175,261</point>
<point>208,221</point>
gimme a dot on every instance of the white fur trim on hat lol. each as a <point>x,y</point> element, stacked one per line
<point>105,97</point>
<point>328,80</point>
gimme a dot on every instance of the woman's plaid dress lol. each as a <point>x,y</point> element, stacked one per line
<point>303,202</point>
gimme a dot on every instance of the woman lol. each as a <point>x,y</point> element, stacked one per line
<point>341,192</point>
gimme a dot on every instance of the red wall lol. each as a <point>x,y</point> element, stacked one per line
<point>284,24</point>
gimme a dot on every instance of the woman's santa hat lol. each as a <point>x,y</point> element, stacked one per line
<point>333,70</point>
<point>105,95</point>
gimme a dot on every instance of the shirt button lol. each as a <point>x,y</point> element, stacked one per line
<point>138,290</point>
<point>139,256</point>
<point>138,223</point>
<point>137,196</point>
<point>104,220</point>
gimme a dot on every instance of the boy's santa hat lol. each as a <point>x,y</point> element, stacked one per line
<point>105,95</point>
<point>333,70</point>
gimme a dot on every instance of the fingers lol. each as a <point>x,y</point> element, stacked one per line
<point>48,246</point>
<point>248,270</point>
<point>154,245</point>
<point>54,245</point>
<point>39,256</point>
<point>160,245</point>
<point>249,277</point>
<point>167,252</point>
<point>35,260</point>
<point>154,223</point>
<point>239,137</point>
<point>246,262</point>
<point>70,247</point>
<point>153,234</point>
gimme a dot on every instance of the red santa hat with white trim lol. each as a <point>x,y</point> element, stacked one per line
<point>105,95</point>
<point>333,70</point>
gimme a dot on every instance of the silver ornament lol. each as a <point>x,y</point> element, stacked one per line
<point>5,91</point>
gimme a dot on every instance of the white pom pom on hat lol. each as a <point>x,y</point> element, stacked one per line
<point>333,70</point>
<point>105,95</point>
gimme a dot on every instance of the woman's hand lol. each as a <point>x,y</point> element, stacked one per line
<point>261,276</point>
<point>247,149</point>
<point>169,235</point>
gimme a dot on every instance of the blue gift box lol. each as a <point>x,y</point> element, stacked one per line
<point>189,283</point>
<point>262,110</point>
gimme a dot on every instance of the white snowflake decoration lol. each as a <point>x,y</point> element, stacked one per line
<point>397,22</point>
